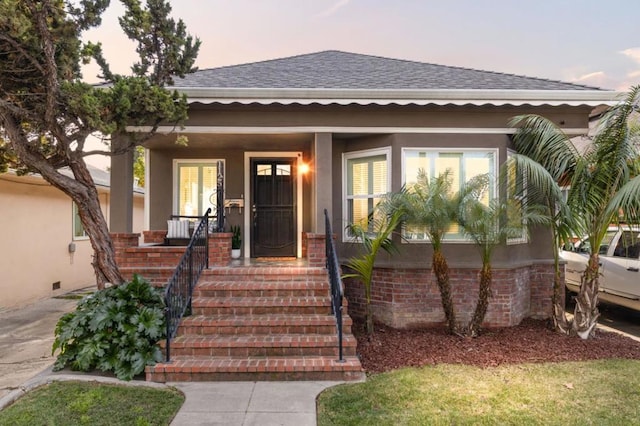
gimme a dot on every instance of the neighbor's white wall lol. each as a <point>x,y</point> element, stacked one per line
<point>35,232</point>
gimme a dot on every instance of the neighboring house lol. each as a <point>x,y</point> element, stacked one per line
<point>362,126</point>
<point>43,250</point>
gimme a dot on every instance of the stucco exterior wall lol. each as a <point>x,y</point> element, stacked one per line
<point>36,222</point>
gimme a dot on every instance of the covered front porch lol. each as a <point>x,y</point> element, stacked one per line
<point>269,187</point>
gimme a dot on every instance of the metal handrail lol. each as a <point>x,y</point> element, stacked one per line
<point>179,290</point>
<point>337,290</point>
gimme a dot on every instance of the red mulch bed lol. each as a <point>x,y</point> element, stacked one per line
<point>531,341</point>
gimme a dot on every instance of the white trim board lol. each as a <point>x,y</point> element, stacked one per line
<point>340,129</point>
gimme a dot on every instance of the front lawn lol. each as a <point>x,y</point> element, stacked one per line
<point>604,392</point>
<point>90,403</point>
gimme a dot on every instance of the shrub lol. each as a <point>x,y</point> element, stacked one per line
<point>115,329</point>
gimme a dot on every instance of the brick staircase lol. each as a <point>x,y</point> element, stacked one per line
<point>260,323</point>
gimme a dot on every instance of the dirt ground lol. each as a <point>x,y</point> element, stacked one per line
<point>531,341</point>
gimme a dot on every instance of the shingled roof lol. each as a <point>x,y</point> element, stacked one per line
<point>341,70</point>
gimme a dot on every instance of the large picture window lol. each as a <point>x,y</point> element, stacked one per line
<point>462,164</point>
<point>367,179</point>
<point>196,187</point>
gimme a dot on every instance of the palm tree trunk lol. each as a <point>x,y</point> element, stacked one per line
<point>560,321</point>
<point>441,271</point>
<point>585,316</point>
<point>484,292</point>
<point>369,323</point>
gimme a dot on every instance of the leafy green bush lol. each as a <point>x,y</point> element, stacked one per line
<point>115,329</point>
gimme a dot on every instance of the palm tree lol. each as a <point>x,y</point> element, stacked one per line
<point>488,225</point>
<point>604,184</point>
<point>431,205</point>
<point>540,189</point>
<point>362,265</point>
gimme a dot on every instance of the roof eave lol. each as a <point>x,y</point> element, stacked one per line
<point>285,96</point>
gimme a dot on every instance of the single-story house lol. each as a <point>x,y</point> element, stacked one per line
<point>335,130</point>
<point>44,250</point>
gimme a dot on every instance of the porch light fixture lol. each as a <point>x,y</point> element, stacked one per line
<point>304,168</point>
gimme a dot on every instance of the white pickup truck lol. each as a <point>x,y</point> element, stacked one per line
<point>619,266</point>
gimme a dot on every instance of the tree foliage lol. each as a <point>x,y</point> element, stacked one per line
<point>603,182</point>
<point>375,235</point>
<point>47,111</point>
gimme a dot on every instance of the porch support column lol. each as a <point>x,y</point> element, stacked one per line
<point>121,198</point>
<point>322,194</point>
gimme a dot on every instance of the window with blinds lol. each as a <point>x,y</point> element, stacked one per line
<point>197,187</point>
<point>516,202</point>
<point>367,180</point>
<point>463,165</point>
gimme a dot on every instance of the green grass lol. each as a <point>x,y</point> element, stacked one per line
<point>91,403</point>
<point>582,393</point>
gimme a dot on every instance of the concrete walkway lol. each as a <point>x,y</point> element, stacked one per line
<point>26,337</point>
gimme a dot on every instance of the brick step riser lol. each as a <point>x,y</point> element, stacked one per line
<point>255,376</point>
<point>260,310</point>
<point>223,293</point>
<point>265,278</point>
<point>244,352</point>
<point>203,330</point>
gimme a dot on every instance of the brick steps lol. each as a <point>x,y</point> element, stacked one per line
<point>262,289</point>
<point>260,323</point>
<point>185,369</point>
<point>260,305</point>
<point>284,345</point>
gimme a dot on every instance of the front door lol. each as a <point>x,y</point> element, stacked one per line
<point>273,225</point>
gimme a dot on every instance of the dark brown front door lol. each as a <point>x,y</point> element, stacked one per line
<point>273,232</point>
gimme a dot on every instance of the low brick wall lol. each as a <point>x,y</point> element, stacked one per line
<point>408,298</point>
<point>154,237</point>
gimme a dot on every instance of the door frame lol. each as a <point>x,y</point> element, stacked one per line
<point>248,156</point>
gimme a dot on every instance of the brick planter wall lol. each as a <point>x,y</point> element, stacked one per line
<point>154,237</point>
<point>122,241</point>
<point>407,298</point>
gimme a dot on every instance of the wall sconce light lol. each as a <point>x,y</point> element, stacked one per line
<point>304,168</point>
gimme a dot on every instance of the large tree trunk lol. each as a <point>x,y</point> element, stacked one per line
<point>95,225</point>
<point>585,316</point>
<point>441,271</point>
<point>484,292</point>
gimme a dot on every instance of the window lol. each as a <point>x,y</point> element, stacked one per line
<point>516,202</point>
<point>196,187</point>
<point>78,229</point>
<point>462,164</point>
<point>628,245</point>
<point>367,176</point>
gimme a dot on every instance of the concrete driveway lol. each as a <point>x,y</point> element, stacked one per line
<point>26,337</point>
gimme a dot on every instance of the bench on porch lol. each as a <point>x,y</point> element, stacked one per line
<point>180,229</point>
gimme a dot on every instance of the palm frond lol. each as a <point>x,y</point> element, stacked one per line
<point>541,140</point>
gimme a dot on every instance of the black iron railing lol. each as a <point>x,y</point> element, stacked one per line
<point>179,290</point>
<point>334,278</point>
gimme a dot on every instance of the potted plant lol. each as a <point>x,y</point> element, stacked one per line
<point>236,241</point>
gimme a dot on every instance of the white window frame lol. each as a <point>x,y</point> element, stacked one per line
<point>75,219</point>
<point>494,176</point>
<point>386,151</point>
<point>176,183</point>
<point>524,238</point>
